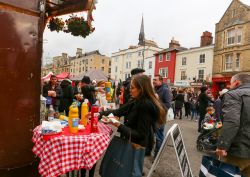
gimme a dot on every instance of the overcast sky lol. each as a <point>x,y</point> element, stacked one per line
<point>117,24</point>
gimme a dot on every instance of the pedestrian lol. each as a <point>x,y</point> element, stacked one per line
<point>186,102</point>
<point>203,100</point>
<point>218,104</point>
<point>67,96</point>
<point>234,142</point>
<point>142,111</point>
<point>52,92</point>
<point>179,101</point>
<point>164,95</point>
<point>193,107</point>
<point>89,90</point>
<point>126,83</point>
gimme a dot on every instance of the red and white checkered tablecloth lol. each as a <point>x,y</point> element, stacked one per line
<point>64,153</point>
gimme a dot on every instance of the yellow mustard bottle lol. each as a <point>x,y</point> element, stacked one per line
<point>73,119</point>
<point>84,112</point>
<point>108,91</point>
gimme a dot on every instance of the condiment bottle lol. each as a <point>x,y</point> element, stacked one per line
<point>84,112</point>
<point>73,119</point>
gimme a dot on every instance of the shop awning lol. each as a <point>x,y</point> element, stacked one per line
<point>47,77</point>
<point>63,75</point>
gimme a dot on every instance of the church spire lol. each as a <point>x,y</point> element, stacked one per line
<point>142,35</point>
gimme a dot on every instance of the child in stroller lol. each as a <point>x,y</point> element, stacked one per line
<point>210,131</point>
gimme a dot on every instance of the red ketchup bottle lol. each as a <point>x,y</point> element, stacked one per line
<point>94,118</point>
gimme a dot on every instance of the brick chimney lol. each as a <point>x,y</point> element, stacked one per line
<point>206,39</point>
<point>174,43</point>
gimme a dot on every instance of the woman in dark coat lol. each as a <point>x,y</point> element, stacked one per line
<point>179,101</point>
<point>203,100</point>
<point>143,111</point>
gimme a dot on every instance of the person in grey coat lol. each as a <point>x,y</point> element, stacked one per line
<point>234,142</point>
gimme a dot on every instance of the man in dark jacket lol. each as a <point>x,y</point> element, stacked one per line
<point>234,142</point>
<point>126,83</point>
<point>52,92</point>
<point>67,96</point>
<point>164,95</point>
<point>89,90</point>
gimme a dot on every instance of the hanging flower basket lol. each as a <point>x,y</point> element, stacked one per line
<point>77,26</point>
<point>56,24</point>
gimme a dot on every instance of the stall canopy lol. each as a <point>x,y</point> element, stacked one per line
<point>47,77</point>
<point>63,75</point>
<point>93,75</point>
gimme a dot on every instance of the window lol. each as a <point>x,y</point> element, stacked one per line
<point>168,56</point>
<point>79,69</point>
<point>202,58</point>
<point>160,58</point>
<point>238,35</point>
<point>184,61</point>
<point>127,76</point>
<point>183,75</point>
<point>82,68</point>
<point>116,69</point>
<point>103,61</point>
<point>163,72</point>
<point>229,62</point>
<point>82,61</point>
<point>102,68</point>
<point>150,64</point>
<point>237,62</point>
<point>139,63</point>
<point>230,37</point>
<point>109,62</point>
<point>233,13</point>
<point>139,53</point>
<point>201,74</point>
<point>234,36</point>
<point>128,65</point>
<point>71,70</point>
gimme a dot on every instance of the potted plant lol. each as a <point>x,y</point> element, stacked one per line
<point>56,24</point>
<point>77,26</point>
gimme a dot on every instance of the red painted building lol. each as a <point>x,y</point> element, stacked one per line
<point>165,61</point>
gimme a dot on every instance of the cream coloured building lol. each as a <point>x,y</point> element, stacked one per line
<point>195,64</point>
<point>125,60</point>
<point>84,62</point>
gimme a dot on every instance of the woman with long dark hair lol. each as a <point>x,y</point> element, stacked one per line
<point>143,112</point>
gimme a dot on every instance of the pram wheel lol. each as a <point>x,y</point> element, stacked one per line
<point>199,147</point>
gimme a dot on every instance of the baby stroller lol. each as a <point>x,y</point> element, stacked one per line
<point>208,137</point>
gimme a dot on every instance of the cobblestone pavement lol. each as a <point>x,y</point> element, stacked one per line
<point>168,166</point>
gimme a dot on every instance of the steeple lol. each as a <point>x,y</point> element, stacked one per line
<point>142,35</point>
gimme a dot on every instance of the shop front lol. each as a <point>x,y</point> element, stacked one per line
<point>219,83</point>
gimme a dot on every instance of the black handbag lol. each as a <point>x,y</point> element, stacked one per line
<point>122,159</point>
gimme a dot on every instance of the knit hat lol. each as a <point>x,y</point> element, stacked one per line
<point>86,79</point>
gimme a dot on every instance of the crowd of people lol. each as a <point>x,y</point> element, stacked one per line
<point>144,104</point>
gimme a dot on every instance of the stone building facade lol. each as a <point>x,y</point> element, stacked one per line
<point>84,62</point>
<point>60,64</point>
<point>232,45</point>
<point>125,60</point>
